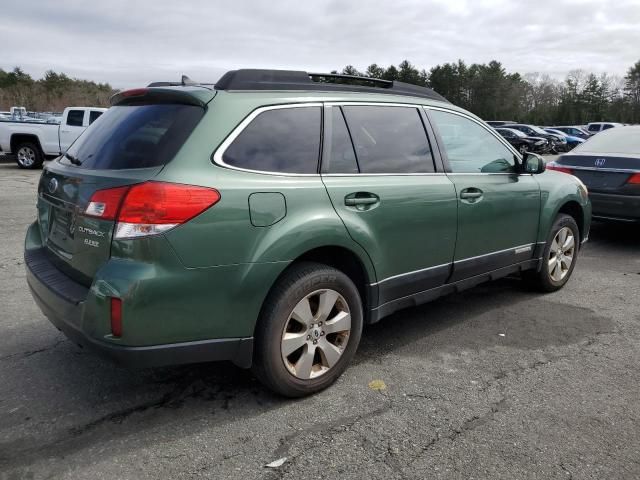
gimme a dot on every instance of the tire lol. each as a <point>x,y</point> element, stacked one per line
<point>523,150</point>
<point>555,272</point>
<point>286,343</point>
<point>29,156</point>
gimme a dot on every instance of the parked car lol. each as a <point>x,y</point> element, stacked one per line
<point>609,165</point>
<point>595,127</point>
<point>557,142</point>
<point>572,142</point>
<point>522,143</point>
<point>574,131</point>
<point>32,142</point>
<point>498,123</point>
<point>194,223</point>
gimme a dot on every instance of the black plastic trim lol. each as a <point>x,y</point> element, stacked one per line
<point>419,298</point>
<point>47,273</point>
<point>413,282</point>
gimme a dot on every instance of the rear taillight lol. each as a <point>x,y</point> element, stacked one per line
<point>634,179</point>
<point>551,166</point>
<point>151,207</point>
<point>116,317</point>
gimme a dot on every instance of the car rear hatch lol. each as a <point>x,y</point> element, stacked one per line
<point>80,194</point>
<point>602,173</point>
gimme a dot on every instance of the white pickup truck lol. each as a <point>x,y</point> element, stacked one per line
<point>33,142</point>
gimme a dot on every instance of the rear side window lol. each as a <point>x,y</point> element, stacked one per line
<point>74,118</point>
<point>93,116</point>
<point>135,136</point>
<point>594,128</point>
<point>341,157</point>
<point>389,139</point>
<point>283,140</point>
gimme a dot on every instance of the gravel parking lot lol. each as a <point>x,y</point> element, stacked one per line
<point>495,382</point>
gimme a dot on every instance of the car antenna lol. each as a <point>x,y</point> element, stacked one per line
<point>187,81</point>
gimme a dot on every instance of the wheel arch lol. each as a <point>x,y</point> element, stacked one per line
<point>359,271</point>
<point>19,138</point>
<point>574,210</point>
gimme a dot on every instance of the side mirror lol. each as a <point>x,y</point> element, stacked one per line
<point>533,163</point>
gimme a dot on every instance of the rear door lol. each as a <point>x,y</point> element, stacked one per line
<point>498,209</point>
<point>390,195</point>
<point>129,145</point>
<point>71,128</point>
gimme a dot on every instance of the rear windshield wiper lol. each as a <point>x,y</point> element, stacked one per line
<point>72,159</point>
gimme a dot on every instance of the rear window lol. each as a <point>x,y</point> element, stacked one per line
<point>283,140</point>
<point>93,116</point>
<point>622,140</point>
<point>134,137</point>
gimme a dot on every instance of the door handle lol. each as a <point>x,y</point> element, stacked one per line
<point>361,200</point>
<point>471,194</point>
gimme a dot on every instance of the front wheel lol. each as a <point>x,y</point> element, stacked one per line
<point>523,150</point>
<point>29,156</point>
<point>308,331</point>
<point>559,257</point>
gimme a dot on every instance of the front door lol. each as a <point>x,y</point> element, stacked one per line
<point>389,195</point>
<point>498,208</point>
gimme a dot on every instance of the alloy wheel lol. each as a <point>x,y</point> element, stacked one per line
<point>561,254</point>
<point>26,156</point>
<point>316,334</point>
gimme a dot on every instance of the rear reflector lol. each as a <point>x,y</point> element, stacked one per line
<point>151,207</point>
<point>551,166</point>
<point>116,317</point>
<point>634,179</point>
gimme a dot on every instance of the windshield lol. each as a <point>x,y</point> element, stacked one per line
<point>624,140</point>
<point>134,137</point>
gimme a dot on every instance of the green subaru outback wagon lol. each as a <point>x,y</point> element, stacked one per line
<point>265,219</point>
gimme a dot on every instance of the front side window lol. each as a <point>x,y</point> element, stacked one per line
<point>389,139</point>
<point>283,140</point>
<point>74,118</point>
<point>470,147</point>
<point>594,128</point>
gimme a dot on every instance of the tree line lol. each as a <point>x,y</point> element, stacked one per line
<point>51,93</point>
<point>487,90</point>
<point>492,93</point>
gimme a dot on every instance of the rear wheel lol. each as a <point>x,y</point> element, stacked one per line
<point>523,150</point>
<point>559,257</point>
<point>308,331</point>
<point>28,155</point>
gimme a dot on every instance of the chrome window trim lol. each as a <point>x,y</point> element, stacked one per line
<point>380,104</point>
<point>491,131</point>
<point>218,154</point>
<point>428,174</point>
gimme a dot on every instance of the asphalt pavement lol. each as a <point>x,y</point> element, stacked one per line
<point>495,382</point>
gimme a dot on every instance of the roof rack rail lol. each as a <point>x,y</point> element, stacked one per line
<point>255,79</point>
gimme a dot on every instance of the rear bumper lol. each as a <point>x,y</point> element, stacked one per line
<point>60,299</point>
<point>624,208</point>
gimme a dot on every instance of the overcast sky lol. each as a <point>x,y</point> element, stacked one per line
<point>133,42</point>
